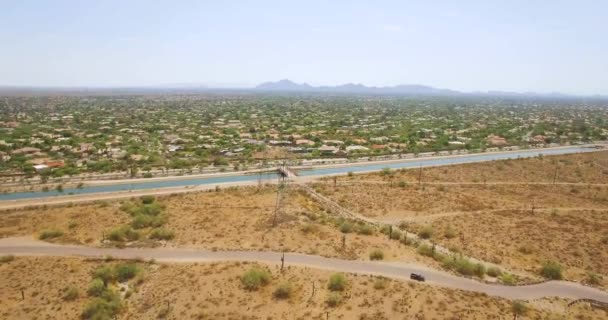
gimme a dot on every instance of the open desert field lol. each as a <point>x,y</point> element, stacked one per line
<point>140,290</point>
<point>522,239</point>
<point>514,184</point>
<point>229,219</point>
<point>410,202</point>
<point>591,167</point>
<point>507,219</point>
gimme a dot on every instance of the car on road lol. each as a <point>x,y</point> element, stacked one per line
<point>417,277</point>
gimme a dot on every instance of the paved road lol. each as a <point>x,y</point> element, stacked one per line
<point>29,247</point>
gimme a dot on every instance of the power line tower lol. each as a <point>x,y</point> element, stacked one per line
<point>281,189</point>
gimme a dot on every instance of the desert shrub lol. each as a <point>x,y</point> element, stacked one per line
<point>50,234</point>
<point>7,258</point>
<point>385,229</point>
<point>255,278</point>
<point>346,227</point>
<point>337,282</point>
<point>402,184</point>
<point>126,271</point>
<point>449,233</point>
<point>129,207</point>
<point>425,250</point>
<point>105,273</point>
<point>152,209</point>
<point>380,284</point>
<point>71,293</point>
<point>283,290</point>
<point>462,265</point>
<point>406,240</point>
<point>141,221</point>
<point>365,229</point>
<point>147,199</point>
<point>426,232</point>
<point>376,254</point>
<point>507,279</point>
<point>519,308</point>
<point>551,270</point>
<point>396,235</point>
<point>308,228</point>
<point>350,174</point>
<point>105,307</point>
<point>96,288</point>
<point>333,299</point>
<point>494,272</point>
<point>123,233</point>
<point>593,278</point>
<point>480,270</point>
<point>162,234</point>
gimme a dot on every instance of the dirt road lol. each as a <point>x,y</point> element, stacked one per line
<point>563,289</point>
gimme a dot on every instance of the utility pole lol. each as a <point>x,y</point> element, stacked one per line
<point>282,261</point>
<point>420,175</point>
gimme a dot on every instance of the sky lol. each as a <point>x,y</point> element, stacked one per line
<point>532,45</point>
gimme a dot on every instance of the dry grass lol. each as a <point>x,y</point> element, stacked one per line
<point>394,202</point>
<point>214,291</point>
<point>232,219</point>
<point>80,224</point>
<point>586,167</point>
<point>524,240</point>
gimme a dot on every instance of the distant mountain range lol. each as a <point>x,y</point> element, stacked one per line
<point>288,86</point>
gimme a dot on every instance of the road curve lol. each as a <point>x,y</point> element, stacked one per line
<point>563,289</point>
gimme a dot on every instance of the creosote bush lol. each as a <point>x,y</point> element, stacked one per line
<point>449,233</point>
<point>96,288</point>
<point>105,307</point>
<point>376,254</point>
<point>337,282</point>
<point>283,290</point>
<point>50,234</point>
<point>365,229</point>
<point>426,232</point>
<point>507,279</point>
<point>105,273</point>
<point>7,258</point>
<point>494,272</point>
<point>147,199</point>
<point>519,308</point>
<point>254,278</point>
<point>551,270</point>
<point>71,293</point>
<point>593,278</point>
<point>123,233</point>
<point>162,234</point>
<point>396,234</point>
<point>346,227</point>
<point>126,271</point>
<point>333,299</point>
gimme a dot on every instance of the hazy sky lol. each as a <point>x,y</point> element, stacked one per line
<point>530,45</point>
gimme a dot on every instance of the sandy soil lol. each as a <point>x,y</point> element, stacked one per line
<point>214,291</point>
<point>383,201</point>
<point>232,219</point>
<point>589,167</point>
<point>577,240</point>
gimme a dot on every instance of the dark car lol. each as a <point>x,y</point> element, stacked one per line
<point>417,277</point>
